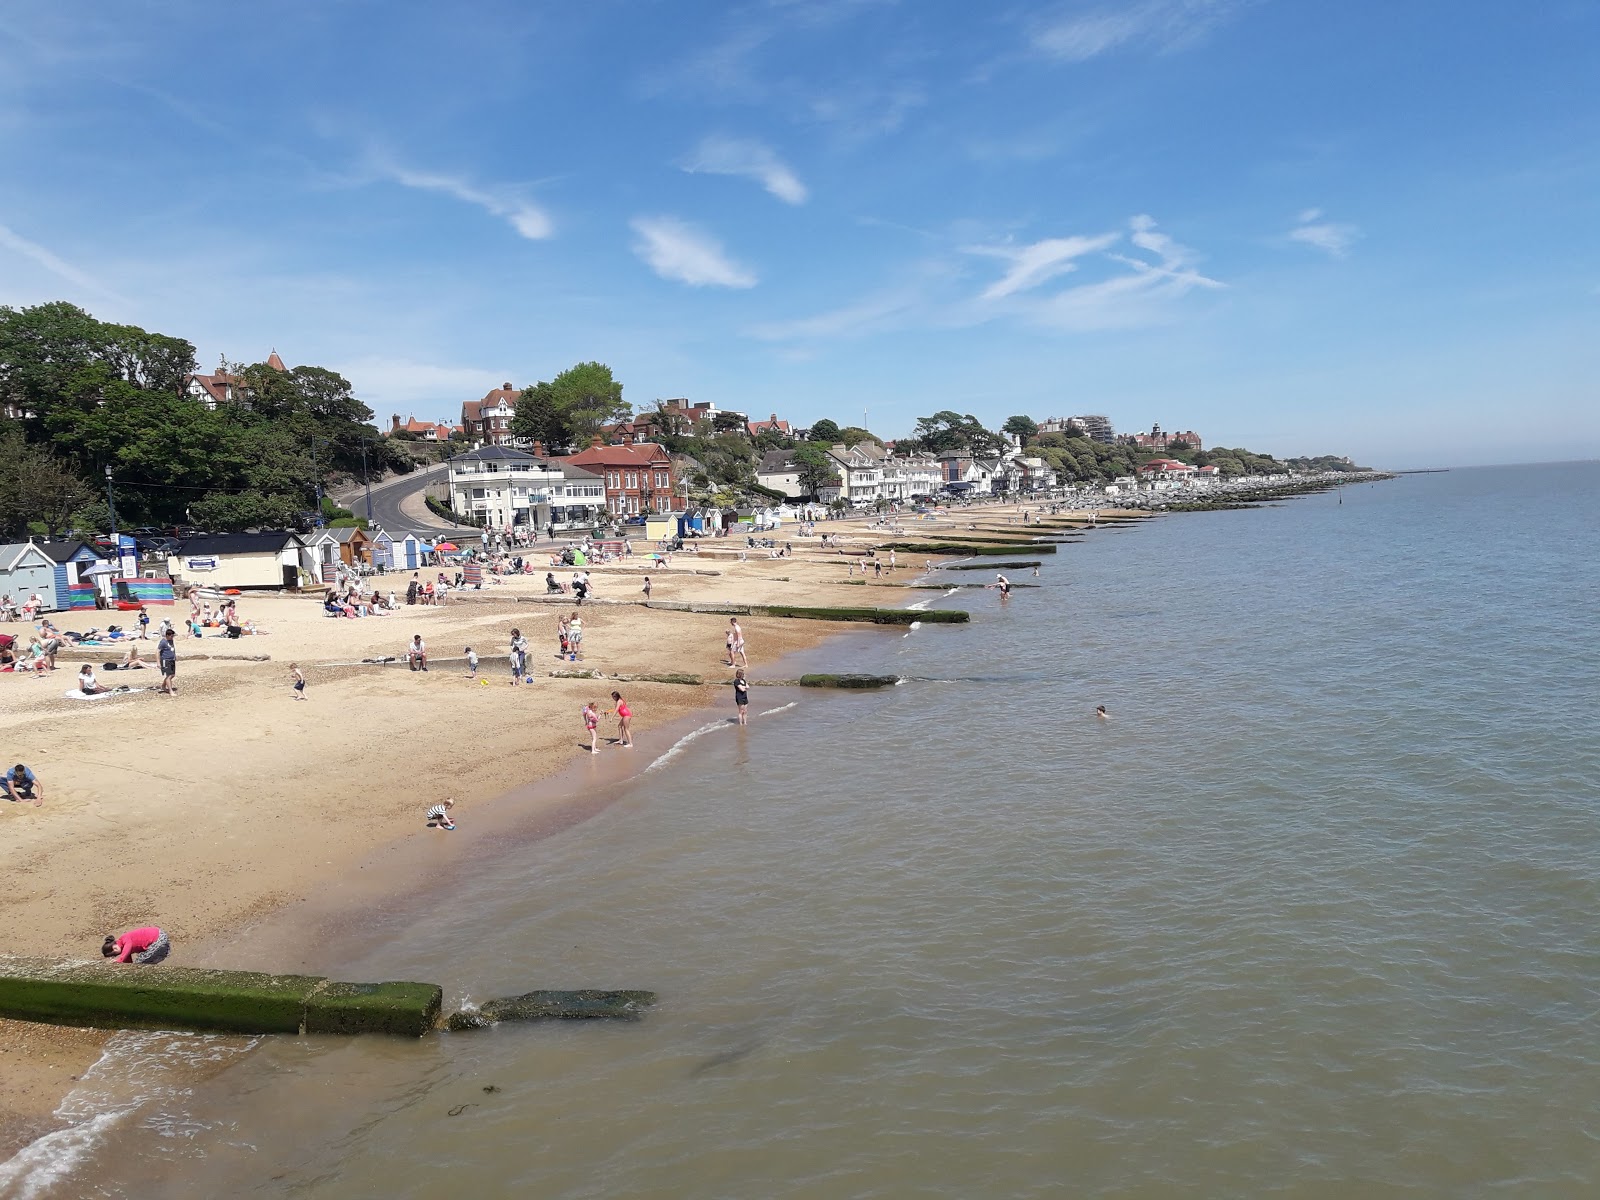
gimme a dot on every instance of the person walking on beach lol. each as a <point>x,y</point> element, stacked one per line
<point>141,946</point>
<point>168,655</point>
<point>624,719</point>
<point>575,636</point>
<point>298,678</point>
<point>519,657</point>
<point>144,623</point>
<point>741,696</point>
<point>563,637</point>
<point>736,643</point>
<point>472,662</point>
<point>647,589</point>
<point>20,784</point>
<point>591,722</point>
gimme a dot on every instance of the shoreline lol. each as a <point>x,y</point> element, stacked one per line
<point>285,900</point>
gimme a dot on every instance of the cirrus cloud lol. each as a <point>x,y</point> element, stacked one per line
<point>1328,236</point>
<point>747,159</point>
<point>677,250</point>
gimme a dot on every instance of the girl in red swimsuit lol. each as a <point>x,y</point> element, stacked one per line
<point>624,716</point>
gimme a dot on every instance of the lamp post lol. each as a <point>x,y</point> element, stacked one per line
<point>111,503</point>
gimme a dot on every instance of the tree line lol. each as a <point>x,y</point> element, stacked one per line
<point>79,395</point>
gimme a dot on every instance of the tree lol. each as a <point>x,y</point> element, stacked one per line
<point>1023,427</point>
<point>728,422</point>
<point>948,432</point>
<point>853,435</point>
<point>35,485</point>
<point>825,431</point>
<point>572,408</point>
<point>816,467</point>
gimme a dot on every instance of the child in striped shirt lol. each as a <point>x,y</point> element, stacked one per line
<point>439,815</point>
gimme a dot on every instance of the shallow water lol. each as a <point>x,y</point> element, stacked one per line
<point>1312,916</point>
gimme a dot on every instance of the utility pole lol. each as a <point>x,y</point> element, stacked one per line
<point>111,503</point>
<point>367,476</point>
<point>316,472</point>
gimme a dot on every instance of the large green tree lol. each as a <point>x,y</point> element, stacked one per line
<point>949,432</point>
<point>1023,427</point>
<point>35,487</point>
<point>825,431</point>
<point>571,409</point>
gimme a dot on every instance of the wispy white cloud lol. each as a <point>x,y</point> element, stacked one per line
<point>862,112</point>
<point>526,218</point>
<point>1136,287</point>
<point>1077,35</point>
<point>747,159</point>
<point>1033,264</point>
<point>676,250</point>
<point>15,242</point>
<point>1328,236</point>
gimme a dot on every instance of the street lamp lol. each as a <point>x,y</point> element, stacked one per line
<point>111,503</point>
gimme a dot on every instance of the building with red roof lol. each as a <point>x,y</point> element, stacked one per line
<point>489,420</point>
<point>639,478</point>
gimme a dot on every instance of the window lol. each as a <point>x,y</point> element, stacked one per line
<point>661,479</point>
<point>633,479</point>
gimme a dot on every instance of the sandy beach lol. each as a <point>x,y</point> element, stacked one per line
<point>205,811</point>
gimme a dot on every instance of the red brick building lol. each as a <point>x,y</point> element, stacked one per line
<point>639,478</point>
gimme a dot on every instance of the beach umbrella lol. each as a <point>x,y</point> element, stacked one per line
<point>446,547</point>
<point>103,568</point>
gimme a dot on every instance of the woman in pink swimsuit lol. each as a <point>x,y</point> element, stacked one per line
<point>624,717</point>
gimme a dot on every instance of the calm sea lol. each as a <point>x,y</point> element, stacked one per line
<point>1314,915</point>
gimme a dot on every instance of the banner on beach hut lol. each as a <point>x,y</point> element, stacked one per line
<point>80,595</point>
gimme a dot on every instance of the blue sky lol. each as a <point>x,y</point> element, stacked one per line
<point>1365,227</point>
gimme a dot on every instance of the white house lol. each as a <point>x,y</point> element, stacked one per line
<point>504,488</point>
<point>777,470</point>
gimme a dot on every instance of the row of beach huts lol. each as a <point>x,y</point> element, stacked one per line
<point>82,574</point>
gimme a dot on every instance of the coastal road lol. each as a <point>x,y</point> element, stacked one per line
<point>397,504</point>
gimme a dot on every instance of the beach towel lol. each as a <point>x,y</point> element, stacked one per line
<point>75,694</point>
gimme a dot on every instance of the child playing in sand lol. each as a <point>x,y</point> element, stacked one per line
<point>591,722</point>
<point>298,678</point>
<point>439,815</point>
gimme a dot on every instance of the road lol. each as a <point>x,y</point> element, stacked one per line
<point>397,504</point>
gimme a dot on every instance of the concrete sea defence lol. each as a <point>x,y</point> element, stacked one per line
<point>103,995</point>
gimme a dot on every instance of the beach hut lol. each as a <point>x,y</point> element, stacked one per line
<point>408,552</point>
<point>239,560</point>
<point>350,546</point>
<point>382,550</point>
<point>74,560</point>
<point>26,569</point>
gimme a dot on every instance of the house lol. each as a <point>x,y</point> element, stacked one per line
<point>860,470</point>
<point>255,561</point>
<point>770,425</point>
<point>1156,440</point>
<point>638,478</point>
<point>488,421</point>
<point>426,431</point>
<point>962,474</point>
<point>504,488</point>
<point>26,569</point>
<point>1167,471</point>
<point>77,580</point>
<point>778,470</point>
<point>223,387</point>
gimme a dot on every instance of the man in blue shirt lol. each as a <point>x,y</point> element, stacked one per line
<point>19,783</point>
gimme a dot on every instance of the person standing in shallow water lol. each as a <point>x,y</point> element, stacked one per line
<point>741,696</point>
<point>624,719</point>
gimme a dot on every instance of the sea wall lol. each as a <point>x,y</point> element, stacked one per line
<point>105,995</point>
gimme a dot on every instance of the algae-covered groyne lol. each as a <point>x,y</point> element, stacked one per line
<point>100,995</point>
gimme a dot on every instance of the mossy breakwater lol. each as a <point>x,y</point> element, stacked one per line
<point>876,616</point>
<point>976,548</point>
<point>109,996</point>
<point>104,995</point>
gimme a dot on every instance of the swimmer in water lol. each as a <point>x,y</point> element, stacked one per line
<point>1101,713</point>
<point>1004,585</point>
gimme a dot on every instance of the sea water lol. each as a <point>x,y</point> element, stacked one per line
<point>1312,915</point>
